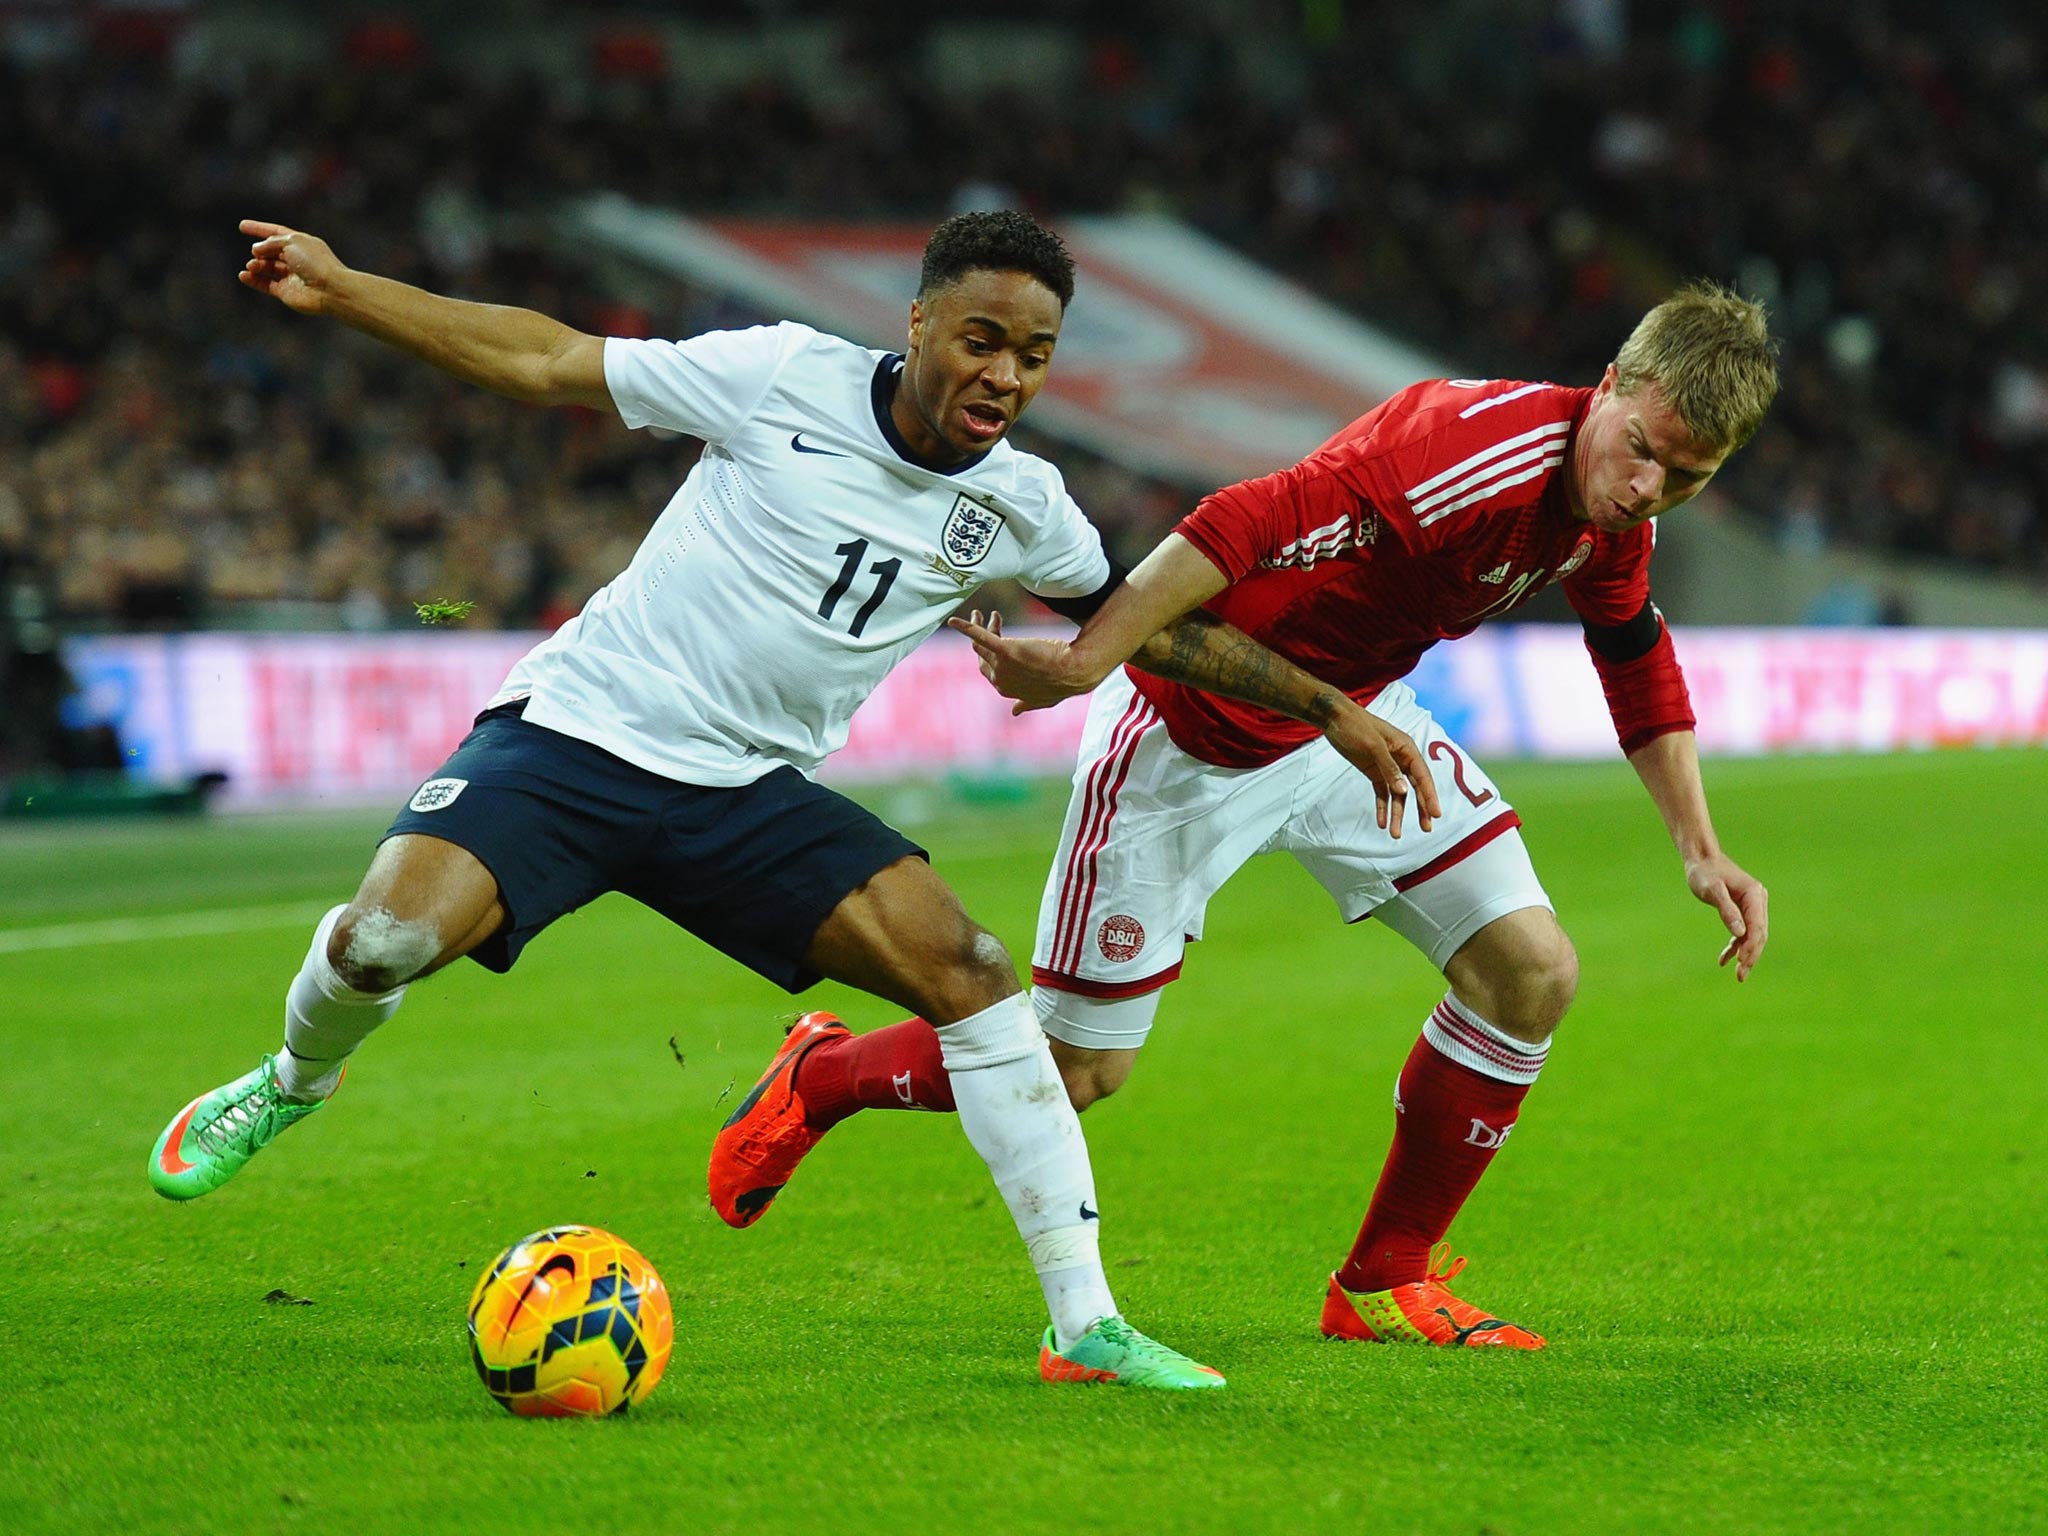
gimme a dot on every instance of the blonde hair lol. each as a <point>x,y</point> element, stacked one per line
<point>1710,352</point>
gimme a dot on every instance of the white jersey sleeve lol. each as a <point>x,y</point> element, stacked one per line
<point>704,387</point>
<point>1066,559</point>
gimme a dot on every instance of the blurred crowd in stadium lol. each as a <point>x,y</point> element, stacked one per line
<point>174,453</point>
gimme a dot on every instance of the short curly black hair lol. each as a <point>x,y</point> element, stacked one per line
<point>998,240</point>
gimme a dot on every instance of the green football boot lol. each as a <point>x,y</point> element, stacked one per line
<point>1114,1351</point>
<point>214,1135</point>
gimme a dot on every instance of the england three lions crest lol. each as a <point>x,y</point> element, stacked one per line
<point>970,532</point>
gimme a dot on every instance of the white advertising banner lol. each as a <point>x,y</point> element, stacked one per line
<point>362,719</point>
<point>1528,690</point>
<point>291,719</point>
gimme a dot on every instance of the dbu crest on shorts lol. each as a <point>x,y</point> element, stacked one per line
<point>1120,938</point>
<point>970,532</point>
<point>1151,833</point>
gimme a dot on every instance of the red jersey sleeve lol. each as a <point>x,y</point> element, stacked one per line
<point>1296,517</point>
<point>1612,586</point>
<point>1646,693</point>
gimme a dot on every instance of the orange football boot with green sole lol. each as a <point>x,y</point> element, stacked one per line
<point>1424,1312</point>
<point>759,1147</point>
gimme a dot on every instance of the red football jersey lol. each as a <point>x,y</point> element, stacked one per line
<point>1443,507</point>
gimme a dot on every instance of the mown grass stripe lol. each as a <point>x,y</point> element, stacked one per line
<point>161,925</point>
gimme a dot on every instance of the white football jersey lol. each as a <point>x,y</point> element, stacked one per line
<point>807,553</point>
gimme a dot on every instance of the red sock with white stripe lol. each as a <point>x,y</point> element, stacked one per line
<point>1456,1101</point>
<point>899,1067</point>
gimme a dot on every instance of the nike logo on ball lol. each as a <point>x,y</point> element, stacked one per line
<point>796,441</point>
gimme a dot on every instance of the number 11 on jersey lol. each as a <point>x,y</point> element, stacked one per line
<point>855,551</point>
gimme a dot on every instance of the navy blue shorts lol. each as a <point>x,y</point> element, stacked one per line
<point>751,869</point>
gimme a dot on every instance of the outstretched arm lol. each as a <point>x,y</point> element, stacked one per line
<point>1175,578</point>
<point>513,352</point>
<point>1204,652</point>
<point>1669,767</point>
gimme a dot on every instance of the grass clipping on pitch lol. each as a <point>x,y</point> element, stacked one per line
<point>443,610</point>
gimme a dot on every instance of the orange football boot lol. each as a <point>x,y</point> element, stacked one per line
<point>759,1147</point>
<point>1424,1312</point>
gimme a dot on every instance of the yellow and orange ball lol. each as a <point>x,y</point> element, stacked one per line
<point>570,1321</point>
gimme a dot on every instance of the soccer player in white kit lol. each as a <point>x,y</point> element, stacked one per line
<point>661,743</point>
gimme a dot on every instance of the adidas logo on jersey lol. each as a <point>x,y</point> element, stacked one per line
<point>1326,543</point>
<point>1499,573</point>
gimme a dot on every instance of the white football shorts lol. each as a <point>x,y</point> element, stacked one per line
<point>1152,833</point>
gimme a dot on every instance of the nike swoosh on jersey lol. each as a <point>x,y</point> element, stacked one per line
<point>796,441</point>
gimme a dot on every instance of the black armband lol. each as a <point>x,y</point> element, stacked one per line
<point>1627,641</point>
<point>1082,609</point>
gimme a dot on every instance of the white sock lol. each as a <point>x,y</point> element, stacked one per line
<point>325,1019</point>
<point>1456,1031</point>
<point>1013,1107</point>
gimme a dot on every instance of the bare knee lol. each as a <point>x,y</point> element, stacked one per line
<point>1522,978</point>
<point>988,963</point>
<point>373,951</point>
<point>1533,996</point>
<point>971,971</point>
<point>1087,1084</point>
<point>422,903</point>
<point>1548,985</point>
<point>1091,1075</point>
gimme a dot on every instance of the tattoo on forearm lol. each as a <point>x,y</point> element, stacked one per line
<point>1184,646</point>
<point>1204,652</point>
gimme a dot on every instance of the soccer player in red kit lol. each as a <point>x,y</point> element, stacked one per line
<point>1449,504</point>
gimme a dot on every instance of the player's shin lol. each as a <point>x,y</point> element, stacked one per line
<point>1457,1099</point>
<point>325,1019</point>
<point>1013,1107</point>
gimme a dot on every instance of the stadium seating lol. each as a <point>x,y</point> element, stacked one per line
<point>173,455</point>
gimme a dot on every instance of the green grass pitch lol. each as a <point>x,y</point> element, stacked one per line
<point>1787,1239</point>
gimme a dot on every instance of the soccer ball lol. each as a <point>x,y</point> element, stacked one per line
<point>570,1321</point>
